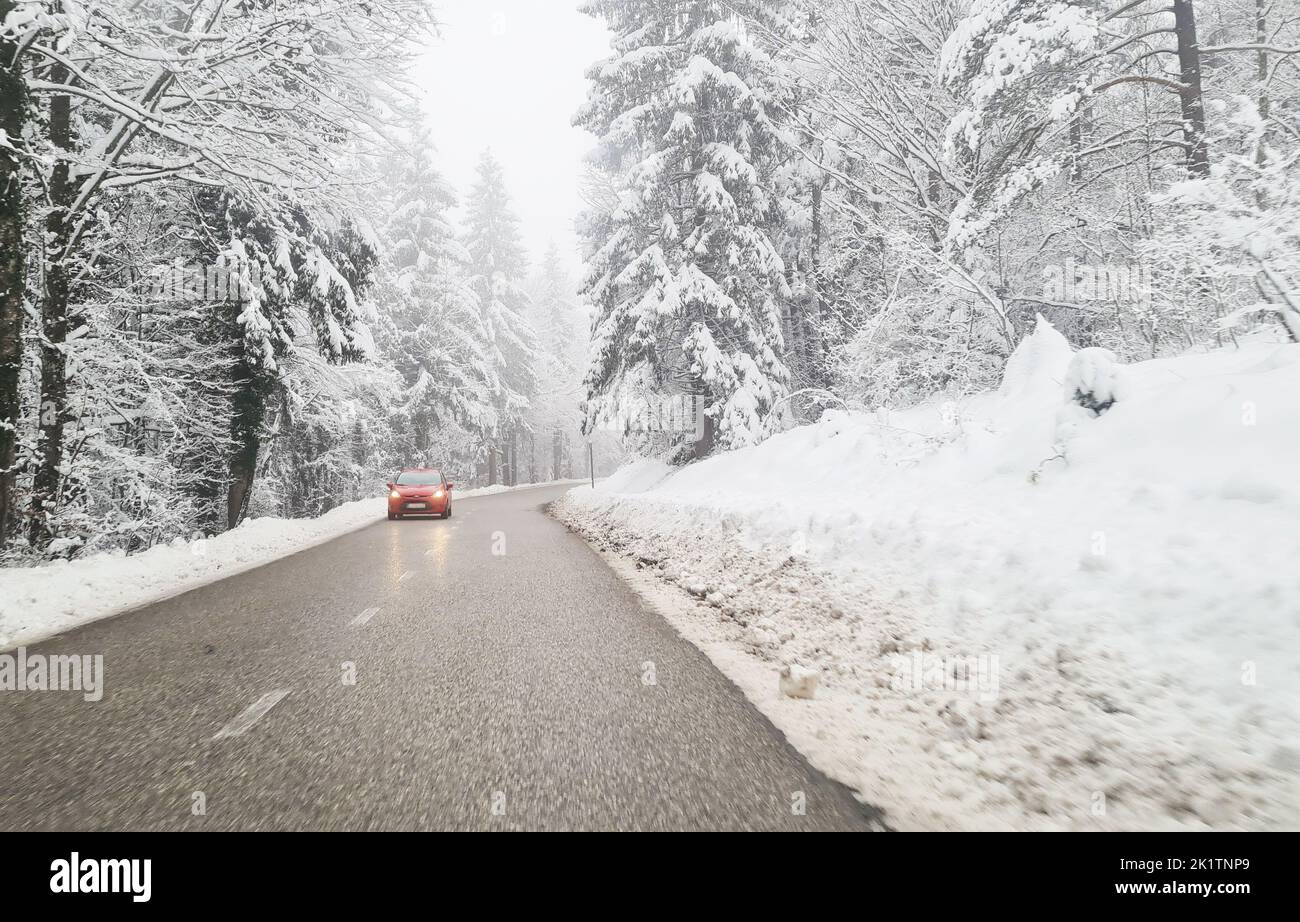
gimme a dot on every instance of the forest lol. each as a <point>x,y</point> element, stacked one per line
<point>234,282</point>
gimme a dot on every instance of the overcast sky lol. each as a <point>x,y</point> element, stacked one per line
<point>508,74</point>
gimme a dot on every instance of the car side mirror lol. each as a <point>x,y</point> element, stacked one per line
<point>392,486</point>
<point>450,485</point>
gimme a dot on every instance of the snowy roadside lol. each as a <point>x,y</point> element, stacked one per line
<point>38,602</point>
<point>1002,640</point>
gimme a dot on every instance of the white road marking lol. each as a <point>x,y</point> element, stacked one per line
<point>244,722</point>
<point>364,617</point>
<point>405,576</point>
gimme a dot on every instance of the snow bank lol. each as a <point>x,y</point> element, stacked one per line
<point>1072,602</point>
<point>636,477</point>
<point>37,602</point>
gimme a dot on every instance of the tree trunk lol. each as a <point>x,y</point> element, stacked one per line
<point>492,466</point>
<point>1261,57</point>
<point>557,455</point>
<point>1261,74</point>
<point>933,194</point>
<point>814,330</point>
<point>421,437</point>
<point>13,269</point>
<point>704,444</point>
<point>1190,99</point>
<point>248,413</point>
<point>54,413</point>
<point>1076,146</point>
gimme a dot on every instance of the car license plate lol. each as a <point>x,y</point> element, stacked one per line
<point>416,506</point>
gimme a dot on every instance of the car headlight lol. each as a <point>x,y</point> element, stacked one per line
<point>439,495</point>
<point>395,495</point>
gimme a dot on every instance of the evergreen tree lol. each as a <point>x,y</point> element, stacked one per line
<point>684,275</point>
<point>498,264</point>
<point>432,329</point>
<point>555,308</point>
<point>559,387</point>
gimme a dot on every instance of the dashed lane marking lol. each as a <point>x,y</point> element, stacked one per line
<point>255,712</point>
<point>364,617</point>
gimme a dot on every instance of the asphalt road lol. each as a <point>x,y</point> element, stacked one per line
<point>498,669</point>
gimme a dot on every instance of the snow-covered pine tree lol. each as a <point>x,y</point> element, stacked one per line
<point>498,265</point>
<point>431,327</point>
<point>683,274</point>
<point>555,309</point>
<point>559,379</point>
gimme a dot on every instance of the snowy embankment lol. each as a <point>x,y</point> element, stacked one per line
<point>37,602</point>
<point>1021,614</point>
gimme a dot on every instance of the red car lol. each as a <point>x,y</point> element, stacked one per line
<point>419,491</point>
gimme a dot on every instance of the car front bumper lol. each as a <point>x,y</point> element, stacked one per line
<point>423,506</point>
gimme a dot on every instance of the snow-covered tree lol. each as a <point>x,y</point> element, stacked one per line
<point>852,202</point>
<point>683,273</point>
<point>555,412</point>
<point>966,151</point>
<point>259,103</point>
<point>1047,85</point>
<point>254,99</point>
<point>431,325</point>
<point>498,267</point>
<point>13,262</point>
<point>1239,227</point>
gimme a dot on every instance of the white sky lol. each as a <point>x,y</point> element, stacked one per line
<point>508,74</point>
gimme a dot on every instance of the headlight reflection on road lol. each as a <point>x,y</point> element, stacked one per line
<point>394,563</point>
<point>437,553</point>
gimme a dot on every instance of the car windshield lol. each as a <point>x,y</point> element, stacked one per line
<point>419,478</point>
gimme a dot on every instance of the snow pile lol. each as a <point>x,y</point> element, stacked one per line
<point>1072,602</point>
<point>1093,380</point>
<point>37,602</point>
<point>636,477</point>
<point>798,682</point>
